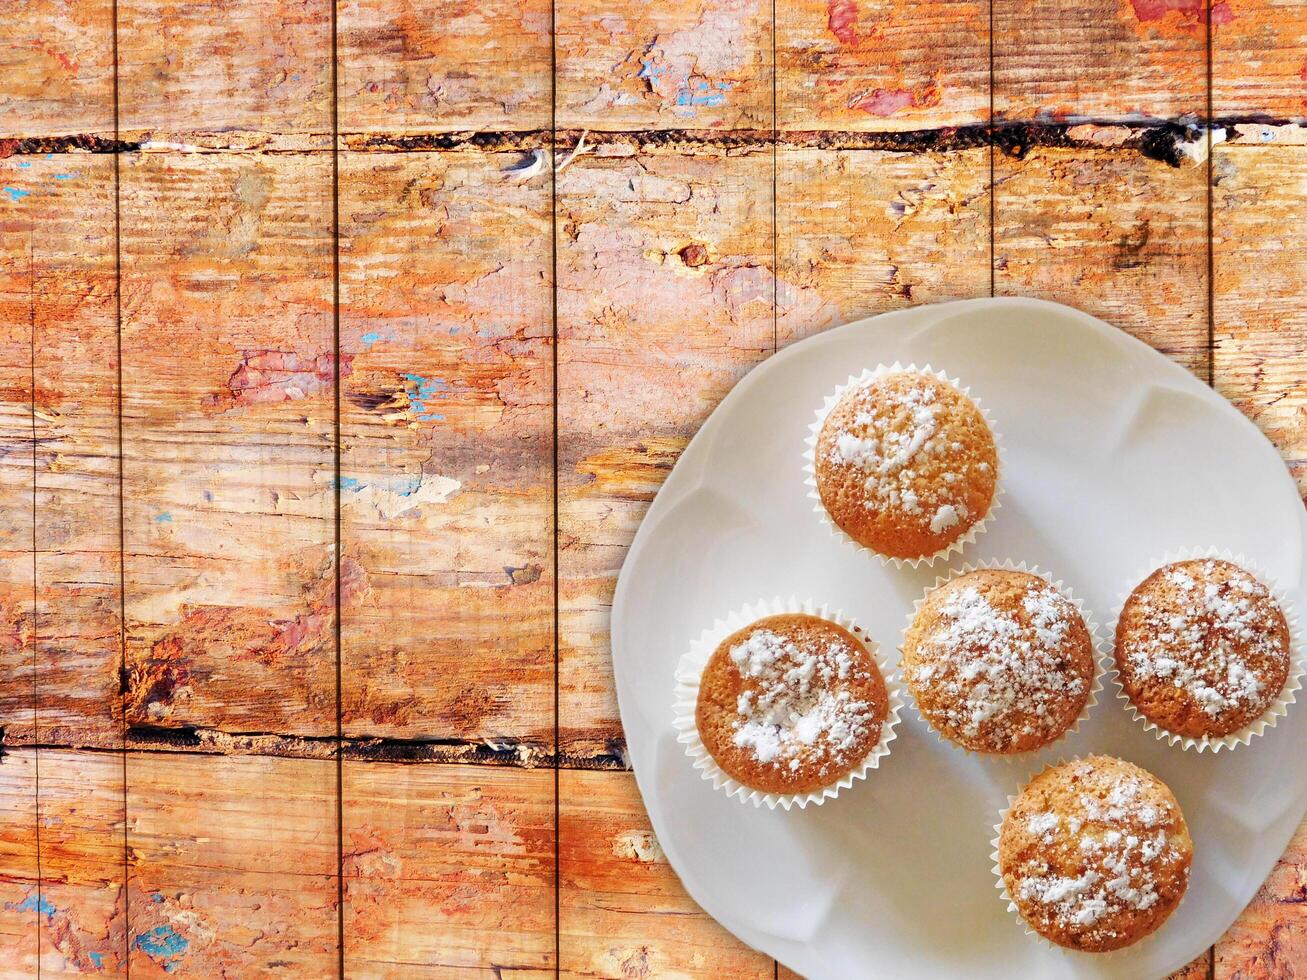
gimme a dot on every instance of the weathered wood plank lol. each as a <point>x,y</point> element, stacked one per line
<point>224,71</point>
<point>1113,233</point>
<point>1260,317</point>
<point>446,449</point>
<point>860,232</point>
<point>228,432</point>
<point>1270,938</point>
<point>20,898</point>
<point>57,62</point>
<point>1259,58</point>
<point>17,467</point>
<point>665,298</point>
<point>233,865</point>
<point>1058,60</point>
<point>419,67</point>
<point>881,64</point>
<point>623,910</point>
<point>69,202</point>
<point>83,864</point>
<point>449,871</point>
<point>678,65</point>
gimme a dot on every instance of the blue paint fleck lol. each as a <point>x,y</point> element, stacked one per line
<point>163,518</point>
<point>162,942</point>
<point>427,388</point>
<point>651,72</point>
<point>702,93</point>
<point>349,483</point>
<point>64,176</point>
<point>156,897</point>
<point>34,903</point>
<point>208,496</point>
<point>16,194</point>
<point>24,165</point>
<point>370,338</point>
<point>97,959</point>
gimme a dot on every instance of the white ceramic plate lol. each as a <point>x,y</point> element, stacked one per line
<point>1112,455</point>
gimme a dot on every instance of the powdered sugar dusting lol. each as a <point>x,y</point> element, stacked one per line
<point>796,710</point>
<point>895,431</point>
<point>1210,630</point>
<point>998,675</point>
<point>1114,849</point>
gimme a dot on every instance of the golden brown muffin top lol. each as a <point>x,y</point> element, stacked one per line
<point>905,464</point>
<point>1202,647</point>
<point>1095,853</point>
<point>790,704</point>
<point>999,661</point>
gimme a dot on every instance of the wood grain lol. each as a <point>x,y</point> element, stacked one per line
<point>623,910</point>
<point>1270,938</point>
<point>449,871</point>
<point>57,62</point>
<point>422,67</point>
<point>228,431</point>
<point>83,866</point>
<point>676,65</point>
<point>1113,233</point>
<point>1259,59</point>
<point>1102,60</point>
<point>446,449</point>
<point>223,71</point>
<point>860,232</point>
<point>881,64</point>
<point>20,898</point>
<point>665,298</point>
<point>233,865</point>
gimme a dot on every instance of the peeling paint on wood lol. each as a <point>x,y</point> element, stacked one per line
<point>667,66</point>
<point>1259,58</point>
<point>882,64</point>
<point>446,452</point>
<point>228,432</point>
<point>1123,238</point>
<point>1270,938</point>
<point>20,897</point>
<point>233,866</point>
<point>863,232</point>
<point>421,67</point>
<point>665,298</point>
<point>1104,60</point>
<point>623,911</point>
<point>449,870</point>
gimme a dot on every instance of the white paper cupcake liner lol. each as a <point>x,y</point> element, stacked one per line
<point>810,465</point>
<point>1273,712</point>
<point>1001,885</point>
<point>690,670</point>
<point>1095,644</point>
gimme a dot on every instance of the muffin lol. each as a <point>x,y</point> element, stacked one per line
<point>790,704</point>
<point>905,464</point>
<point>1202,648</point>
<point>999,661</point>
<point>1095,854</point>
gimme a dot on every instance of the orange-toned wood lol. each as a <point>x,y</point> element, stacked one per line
<point>233,866</point>
<point>1259,59</point>
<point>863,231</point>
<point>1270,938</point>
<point>56,59</point>
<point>21,908</point>
<point>446,449</point>
<point>665,298</point>
<point>623,910</point>
<point>1057,60</point>
<point>420,67</point>
<point>672,65</point>
<point>228,432</point>
<point>1112,232</point>
<point>449,871</point>
<point>881,64</point>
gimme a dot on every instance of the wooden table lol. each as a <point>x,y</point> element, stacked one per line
<point>269,298</point>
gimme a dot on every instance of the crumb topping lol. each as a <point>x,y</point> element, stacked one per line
<point>1210,631</point>
<point>998,666</point>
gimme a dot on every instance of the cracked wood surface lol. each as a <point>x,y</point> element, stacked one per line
<point>750,182</point>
